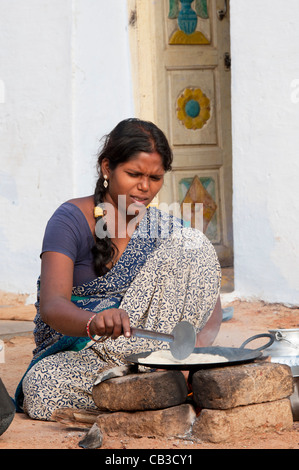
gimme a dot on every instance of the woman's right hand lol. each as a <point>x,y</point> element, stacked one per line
<point>112,322</point>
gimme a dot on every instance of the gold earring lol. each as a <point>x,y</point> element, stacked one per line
<point>105,184</point>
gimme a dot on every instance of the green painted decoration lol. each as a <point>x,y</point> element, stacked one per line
<point>209,184</point>
<point>200,7</point>
<point>174,9</point>
<point>187,21</point>
<point>192,108</point>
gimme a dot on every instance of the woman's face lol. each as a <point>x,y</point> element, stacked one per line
<point>137,181</point>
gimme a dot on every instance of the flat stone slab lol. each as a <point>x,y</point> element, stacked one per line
<point>141,391</point>
<point>222,425</point>
<point>229,387</point>
<point>176,421</point>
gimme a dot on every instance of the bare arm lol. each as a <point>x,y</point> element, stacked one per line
<point>60,313</point>
<point>209,332</point>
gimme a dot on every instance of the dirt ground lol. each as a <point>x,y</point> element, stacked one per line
<point>249,318</point>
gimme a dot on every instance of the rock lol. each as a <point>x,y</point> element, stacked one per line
<point>7,409</point>
<point>244,421</point>
<point>176,421</point>
<point>143,391</point>
<point>93,438</point>
<point>228,387</point>
<point>118,371</point>
<point>73,417</point>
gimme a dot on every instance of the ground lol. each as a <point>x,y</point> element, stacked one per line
<point>249,318</point>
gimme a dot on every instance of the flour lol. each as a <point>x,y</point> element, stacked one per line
<point>165,357</point>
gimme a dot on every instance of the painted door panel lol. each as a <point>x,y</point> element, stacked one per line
<point>181,64</point>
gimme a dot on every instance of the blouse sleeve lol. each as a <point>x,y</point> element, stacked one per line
<point>62,233</point>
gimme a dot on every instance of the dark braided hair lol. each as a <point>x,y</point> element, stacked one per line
<point>125,141</point>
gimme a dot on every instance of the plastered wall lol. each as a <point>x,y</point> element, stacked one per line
<point>64,83</point>
<point>265,117</point>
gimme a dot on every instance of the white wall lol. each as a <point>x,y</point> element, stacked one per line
<point>64,67</point>
<point>102,80</point>
<point>265,110</point>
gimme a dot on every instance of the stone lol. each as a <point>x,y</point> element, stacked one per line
<point>93,438</point>
<point>142,391</point>
<point>244,421</point>
<point>229,387</point>
<point>176,421</point>
<point>7,409</point>
<point>72,417</point>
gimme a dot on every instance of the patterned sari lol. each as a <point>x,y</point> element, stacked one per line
<point>167,274</point>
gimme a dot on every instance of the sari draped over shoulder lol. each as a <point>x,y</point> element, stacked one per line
<point>107,291</point>
<point>168,273</point>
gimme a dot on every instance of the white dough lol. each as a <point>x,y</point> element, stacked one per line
<point>165,357</point>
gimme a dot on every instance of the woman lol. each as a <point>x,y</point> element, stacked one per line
<point>110,262</point>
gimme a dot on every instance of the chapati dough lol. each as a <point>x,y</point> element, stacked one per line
<point>165,357</point>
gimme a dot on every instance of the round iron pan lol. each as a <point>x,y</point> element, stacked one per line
<point>234,356</point>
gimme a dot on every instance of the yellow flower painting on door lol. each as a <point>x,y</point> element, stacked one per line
<point>193,108</point>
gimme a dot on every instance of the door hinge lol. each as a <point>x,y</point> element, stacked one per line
<point>227,61</point>
<point>222,13</point>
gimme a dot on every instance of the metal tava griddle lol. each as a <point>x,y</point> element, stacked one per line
<point>182,339</point>
<point>234,355</point>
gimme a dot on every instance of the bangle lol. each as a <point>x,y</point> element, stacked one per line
<point>88,325</point>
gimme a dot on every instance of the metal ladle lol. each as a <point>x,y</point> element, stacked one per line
<point>182,339</point>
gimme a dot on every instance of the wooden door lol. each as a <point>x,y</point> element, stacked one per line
<point>181,66</point>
